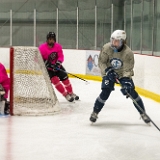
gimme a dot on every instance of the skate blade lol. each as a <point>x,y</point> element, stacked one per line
<point>72,101</point>
<point>148,124</point>
<point>92,122</point>
<point>77,100</point>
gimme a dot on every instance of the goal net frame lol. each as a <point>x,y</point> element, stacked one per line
<point>51,103</point>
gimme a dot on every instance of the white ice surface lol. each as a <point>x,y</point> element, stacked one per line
<point>118,134</point>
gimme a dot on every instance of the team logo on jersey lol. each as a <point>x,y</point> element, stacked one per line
<point>52,56</point>
<point>116,63</point>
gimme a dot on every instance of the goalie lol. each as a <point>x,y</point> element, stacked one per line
<point>53,57</point>
<point>4,89</point>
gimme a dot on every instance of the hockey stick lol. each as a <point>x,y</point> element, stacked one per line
<point>73,75</point>
<point>135,102</point>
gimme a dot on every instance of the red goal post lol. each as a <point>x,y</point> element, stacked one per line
<point>31,91</point>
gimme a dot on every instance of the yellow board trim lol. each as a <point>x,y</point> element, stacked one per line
<point>143,92</point>
<point>32,72</point>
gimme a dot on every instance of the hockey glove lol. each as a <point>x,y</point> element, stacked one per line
<point>54,67</point>
<point>57,66</point>
<point>127,86</point>
<point>111,74</point>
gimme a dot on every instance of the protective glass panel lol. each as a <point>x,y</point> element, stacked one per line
<point>127,6</point>
<point>86,24</point>
<point>5,28</point>
<point>104,22</point>
<point>147,27</point>
<point>157,29</point>
<point>46,14</point>
<point>136,29</point>
<point>67,23</point>
<point>23,24</point>
<point>118,14</point>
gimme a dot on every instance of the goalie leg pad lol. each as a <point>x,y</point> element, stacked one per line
<point>58,85</point>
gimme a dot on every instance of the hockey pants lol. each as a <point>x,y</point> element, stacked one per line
<point>105,93</point>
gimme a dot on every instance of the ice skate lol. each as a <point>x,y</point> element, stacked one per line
<point>69,98</point>
<point>145,118</point>
<point>93,117</point>
<point>7,108</point>
<point>74,96</point>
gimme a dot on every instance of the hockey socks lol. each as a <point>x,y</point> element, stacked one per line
<point>58,85</point>
<point>68,86</point>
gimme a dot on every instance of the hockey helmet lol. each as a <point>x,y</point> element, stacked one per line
<point>51,35</point>
<point>119,35</point>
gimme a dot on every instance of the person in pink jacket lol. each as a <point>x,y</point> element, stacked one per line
<point>53,57</point>
<point>4,87</point>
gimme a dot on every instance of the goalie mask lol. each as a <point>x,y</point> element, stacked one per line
<point>118,37</point>
<point>51,38</point>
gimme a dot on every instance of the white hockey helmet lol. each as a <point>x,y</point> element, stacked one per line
<point>119,35</point>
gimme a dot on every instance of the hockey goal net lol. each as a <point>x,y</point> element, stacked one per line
<point>31,90</point>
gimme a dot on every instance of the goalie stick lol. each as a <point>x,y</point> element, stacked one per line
<point>134,101</point>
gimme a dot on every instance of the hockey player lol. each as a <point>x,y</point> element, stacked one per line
<point>116,61</point>
<point>4,89</point>
<point>53,57</point>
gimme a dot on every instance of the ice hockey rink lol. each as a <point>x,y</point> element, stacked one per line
<point>118,134</point>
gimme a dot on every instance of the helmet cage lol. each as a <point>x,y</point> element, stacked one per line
<point>121,42</point>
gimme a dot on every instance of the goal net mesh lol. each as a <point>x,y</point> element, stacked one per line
<point>33,93</point>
